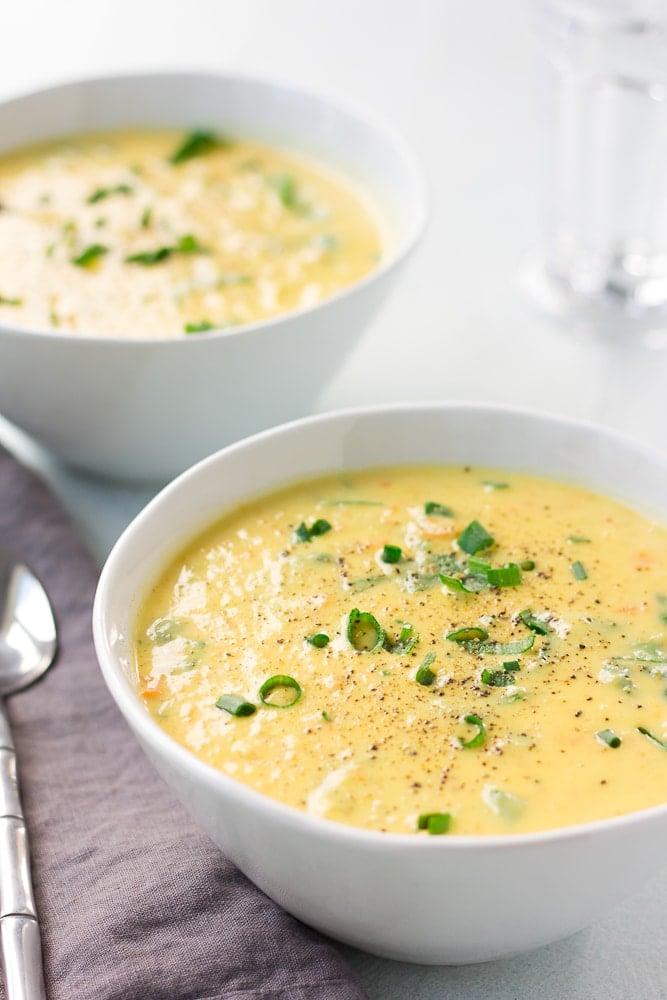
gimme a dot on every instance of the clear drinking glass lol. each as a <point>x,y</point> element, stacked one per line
<point>603,255</point>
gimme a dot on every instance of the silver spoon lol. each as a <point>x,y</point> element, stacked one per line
<point>28,642</point>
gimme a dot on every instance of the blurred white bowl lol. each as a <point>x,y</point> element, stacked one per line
<point>452,899</point>
<point>146,409</point>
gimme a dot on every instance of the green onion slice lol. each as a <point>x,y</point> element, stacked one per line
<point>527,564</point>
<point>438,509</point>
<point>533,623</point>
<point>197,143</point>
<point>424,674</point>
<point>150,257</point>
<point>6,300</point>
<point>608,737</point>
<point>364,632</point>
<point>235,705</point>
<point>289,688</point>
<point>391,554</point>
<point>512,648</point>
<point>654,739</point>
<point>434,823</point>
<point>578,571</point>
<point>475,537</point>
<point>578,540</point>
<point>511,665</point>
<point>318,639</point>
<point>508,575</point>
<point>305,534</point>
<point>201,327</point>
<point>497,678</point>
<point>105,192</point>
<point>90,255</point>
<point>480,736</point>
<point>407,640</point>
<point>471,634</point>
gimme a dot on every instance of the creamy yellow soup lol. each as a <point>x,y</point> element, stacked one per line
<point>159,233</point>
<point>421,649</point>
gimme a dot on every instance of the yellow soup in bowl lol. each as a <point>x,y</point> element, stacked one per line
<point>157,233</point>
<point>428,649</point>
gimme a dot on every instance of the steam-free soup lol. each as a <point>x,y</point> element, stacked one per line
<point>160,233</point>
<point>421,649</point>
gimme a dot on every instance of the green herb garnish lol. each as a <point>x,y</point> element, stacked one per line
<point>578,571</point>
<point>90,256</point>
<point>654,739</point>
<point>424,674</point>
<point>7,301</point>
<point>464,635</point>
<point>438,509</point>
<point>200,327</point>
<point>105,192</point>
<point>480,736</point>
<point>508,575</point>
<point>364,632</point>
<point>318,639</point>
<point>533,623</point>
<point>390,554</point>
<point>285,686</point>
<point>434,823</point>
<point>305,534</point>
<point>235,705</point>
<point>608,737</point>
<point>201,142</point>
<point>475,537</point>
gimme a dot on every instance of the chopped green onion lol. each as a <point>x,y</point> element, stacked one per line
<point>511,648</point>
<point>326,716</point>
<point>434,823</point>
<point>533,623</point>
<point>90,255</point>
<point>105,192</point>
<point>578,571</point>
<point>478,566</point>
<point>200,327</point>
<point>305,534</point>
<point>405,643</point>
<point>527,564</point>
<point>508,575</point>
<point>189,244</point>
<point>456,584</point>
<point>364,632</point>
<point>281,683</point>
<point>511,665</point>
<point>235,705</point>
<point>578,540</point>
<point>439,509</point>
<point>7,301</point>
<point>164,630</point>
<point>497,678</point>
<point>608,737</point>
<point>146,217</point>
<point>390,554</point>
<point>490,485</point>
<point>480,736</point>
<point>650,736</point>
<point>197,143</point>
<point>472,634</point>
<point>150,257</point>
<point>424,674</point>
<point>474,537</point>
<point>318,639</point>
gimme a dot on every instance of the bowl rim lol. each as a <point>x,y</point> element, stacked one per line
<point>365,115</point>
<point>185,760</point>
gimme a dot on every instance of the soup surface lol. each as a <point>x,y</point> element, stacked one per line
<point>421,649</point>
<point>157,233</point>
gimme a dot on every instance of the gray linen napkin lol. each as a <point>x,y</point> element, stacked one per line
<point>135,902</point>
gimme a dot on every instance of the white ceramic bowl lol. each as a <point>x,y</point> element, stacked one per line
<point>453,899</point>
<point>146,409</point>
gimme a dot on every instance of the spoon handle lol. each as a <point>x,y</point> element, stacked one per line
<point>19,930</point>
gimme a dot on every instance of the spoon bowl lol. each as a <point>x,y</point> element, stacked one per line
<point>27,628</point>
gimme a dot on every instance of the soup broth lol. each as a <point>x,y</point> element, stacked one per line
<point>157,233</point>
<point>421,649</point>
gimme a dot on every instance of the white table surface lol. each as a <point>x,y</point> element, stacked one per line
<point>461,81</point>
